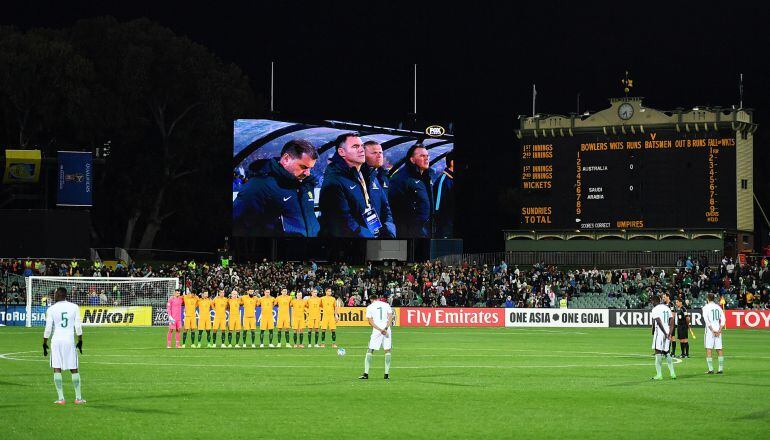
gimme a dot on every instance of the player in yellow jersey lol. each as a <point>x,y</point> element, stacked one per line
<point>313,317</point>
<point>298,322</point>
<point>249,316</point>
<point>190,301</point>
<point>330,317</point>
<point>266,304</point>
<point>284,319</point>
<point>204,318</point>
<point>220,316</point>
<point>234,321</point>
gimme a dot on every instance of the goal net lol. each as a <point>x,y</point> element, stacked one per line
<point>103,301</point>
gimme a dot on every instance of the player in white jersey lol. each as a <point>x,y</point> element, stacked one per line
<point>662,329</point>
<point>62,322</point>
<point>714,318</point>
<point>380,317</point>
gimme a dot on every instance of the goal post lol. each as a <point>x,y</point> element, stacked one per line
<point>104,301</point>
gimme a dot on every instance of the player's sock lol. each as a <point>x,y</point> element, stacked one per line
<point>57,383</point>
<point>279,338</point>
<point>208,336</point>
<point>270,336</point>
<point>261,336</point>
<point>168,339</point>
<point>316,338</point>
<point>323,337</point>
<point>673,348</point>
<point>200,335</point>
<point>76,384</point>
<point>387,363</point>
<point>177,337</point>
<point>184,338</point>
<point>309,337</point>
<point>367,362</point>
<point>710,363</point>
<point>686,349</point>
<point>721,360</point>
<point>295,338</point>
<point>223,337</point>
<point>300,337</point>
<point>287,337</point>
<point>658,365</point>
<point>243,336</point>
<point>237,338</point>
<point>670,363</point>
<point>229,338</point>
<point>192,337</point>
<point>253,337</point>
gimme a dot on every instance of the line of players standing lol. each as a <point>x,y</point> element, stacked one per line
<point>312,313</point>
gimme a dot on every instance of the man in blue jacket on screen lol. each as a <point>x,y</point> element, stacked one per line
<point>443,194</point>
<point>377,176</point>
<point>411,195</point>
<point>345,201</point>
<point>278,201</point>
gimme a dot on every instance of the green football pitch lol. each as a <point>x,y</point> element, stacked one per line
<point>445,383</point>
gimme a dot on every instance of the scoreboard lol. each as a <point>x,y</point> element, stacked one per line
<point>658,179</point>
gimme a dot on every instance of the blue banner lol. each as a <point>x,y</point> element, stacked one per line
<point>17,315</point>
<point>75,178</point>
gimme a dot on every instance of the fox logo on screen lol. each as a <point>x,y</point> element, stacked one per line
<point>435,131</point>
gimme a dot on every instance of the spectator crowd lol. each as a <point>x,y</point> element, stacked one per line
<point>430,283</point>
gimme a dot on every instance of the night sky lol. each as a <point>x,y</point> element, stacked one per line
<point>477,64</point>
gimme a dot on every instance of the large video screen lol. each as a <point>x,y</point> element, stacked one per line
<point>339,179</point>
<point>660,179</point>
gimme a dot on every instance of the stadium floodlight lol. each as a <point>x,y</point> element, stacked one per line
<point>107,294</point>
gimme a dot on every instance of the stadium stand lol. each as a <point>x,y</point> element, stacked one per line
<point>427,284</point>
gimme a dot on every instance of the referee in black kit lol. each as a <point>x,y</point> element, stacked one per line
<point>683,328</point>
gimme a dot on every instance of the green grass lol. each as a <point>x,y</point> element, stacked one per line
<point>446,383</point>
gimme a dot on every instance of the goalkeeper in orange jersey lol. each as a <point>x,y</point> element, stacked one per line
<point>234,322</point>
<point>266,304</point>
<point>298,322</point>
<point>249,316</point>
<point>190,304</point>
<point>330,317</point>
<point>313,317</point>
<point>220,316</point>
<point>284,319</point>
<point>204,318</point>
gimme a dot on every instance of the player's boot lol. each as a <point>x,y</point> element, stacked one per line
<point>168,346</point>
<point>334,345</point>
<point>261,345</point>
<point>272,346</point>
<point>673,377</point>
<point>253,346</point>
<point>60,402</point>
<point>322,346</point>
<point>720,372</point>
<point>199,345</point>
<point>179,346</point>
<point>710,372</point>
<point>364,376</point>
<point>229,345</point>
<point>317,346</point>
<point>222,346</point>
<point>237,345</point>
<point>657,378</point>
<point>80,401</point>
<point>387,377</point>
